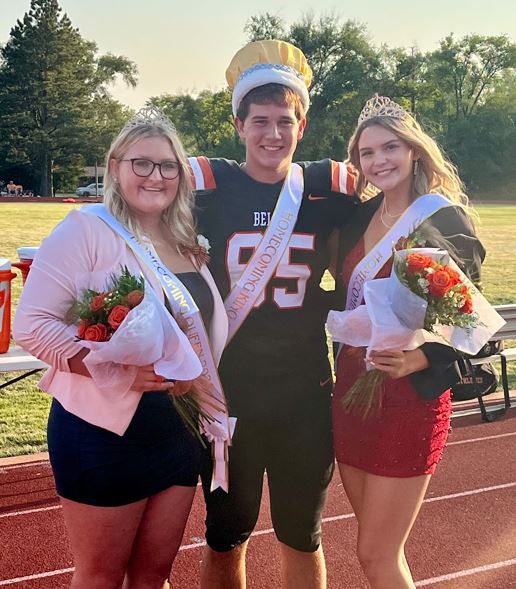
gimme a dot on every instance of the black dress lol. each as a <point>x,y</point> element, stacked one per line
<point>94,466</point>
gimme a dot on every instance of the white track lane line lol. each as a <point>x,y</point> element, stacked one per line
<point>471,440</point>
<point>422,583</point>
<point>468,493</point>
<point>467,572</point>
<point>324,521</point>
<point>46,462</point>
<point>38,576</point>
<point>27,511</point>
<point>428,500</point>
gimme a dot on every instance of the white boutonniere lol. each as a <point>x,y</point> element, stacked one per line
<point>203,242</point>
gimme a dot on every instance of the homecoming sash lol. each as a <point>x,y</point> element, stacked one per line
<point>265,259</point>
<point>218,431</point>
<point>369,266</point>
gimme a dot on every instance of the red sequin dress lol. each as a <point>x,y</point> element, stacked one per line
<point>407,436</point>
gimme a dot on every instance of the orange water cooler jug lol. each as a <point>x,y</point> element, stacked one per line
<point>6,275</point>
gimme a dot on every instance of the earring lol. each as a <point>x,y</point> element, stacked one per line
<point>115,180</point>
<point>416,167</point>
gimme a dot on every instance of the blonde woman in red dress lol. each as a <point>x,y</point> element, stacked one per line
<point>386,460</point>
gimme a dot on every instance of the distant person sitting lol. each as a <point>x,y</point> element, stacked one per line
<point>11,188</point>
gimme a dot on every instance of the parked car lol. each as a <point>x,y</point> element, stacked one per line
<point>90,190</point>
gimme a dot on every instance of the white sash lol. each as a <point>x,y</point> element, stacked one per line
<point>266,257</point>
<point>219,431</point>
<point>369,266</point>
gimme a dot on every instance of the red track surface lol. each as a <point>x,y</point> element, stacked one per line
<point>465,536</point>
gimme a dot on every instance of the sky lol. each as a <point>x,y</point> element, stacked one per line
<point>185,47</point>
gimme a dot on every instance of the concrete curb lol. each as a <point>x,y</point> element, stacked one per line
<point>23,459</point>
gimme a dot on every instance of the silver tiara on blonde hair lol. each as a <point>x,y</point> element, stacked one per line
<point>150,115</point>
<point>381,106</point>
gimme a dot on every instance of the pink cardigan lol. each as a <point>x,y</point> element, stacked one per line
<point>80,244</point>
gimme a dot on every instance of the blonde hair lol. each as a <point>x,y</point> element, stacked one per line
<point>435,174</point>
<point>178,217</point>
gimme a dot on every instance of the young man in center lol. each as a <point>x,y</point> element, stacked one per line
<point>267,222</point>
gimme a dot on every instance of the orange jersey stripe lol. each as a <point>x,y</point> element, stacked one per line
<point>342,178</point>
<point>351,181</point>
<point>201,173</point>
<point>335,176</point>
<point>209,179</point>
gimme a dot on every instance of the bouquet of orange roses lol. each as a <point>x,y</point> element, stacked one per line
<point>427,298</point>
<point>125,326</point>
<point>100,314</point>
<point>430,275</point>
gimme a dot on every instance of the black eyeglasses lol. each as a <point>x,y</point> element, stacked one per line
<point>169,170</point>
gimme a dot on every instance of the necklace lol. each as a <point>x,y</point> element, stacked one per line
<point>386,210</point>
<point>383,210</point>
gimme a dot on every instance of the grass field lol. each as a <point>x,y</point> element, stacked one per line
<point>23,409</point>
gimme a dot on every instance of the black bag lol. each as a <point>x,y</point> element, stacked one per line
<point>478,380</point>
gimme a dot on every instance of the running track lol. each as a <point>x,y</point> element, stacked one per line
<point>465,536</point>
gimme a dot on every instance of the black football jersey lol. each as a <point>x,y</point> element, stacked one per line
<point>284,333</point>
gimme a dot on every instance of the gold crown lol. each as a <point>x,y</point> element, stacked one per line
<point>268,62</point>
<point>381,106</point>
<point>151,115</point>
<point>267,53</point>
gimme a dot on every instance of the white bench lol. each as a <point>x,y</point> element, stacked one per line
<point>16,359</point>
<point>507,332</point>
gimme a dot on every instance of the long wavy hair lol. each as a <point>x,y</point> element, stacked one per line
<point>178,217</point>
<point>435,174</point>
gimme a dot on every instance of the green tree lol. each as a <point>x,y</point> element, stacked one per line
<point>405,71</point>
<point>465,80</point>
<point>466,70</point>
<point>204,123</point>
<point>50,83</point>
<point>265,26</point>
<point>484,143</point>
<point>108,117</point>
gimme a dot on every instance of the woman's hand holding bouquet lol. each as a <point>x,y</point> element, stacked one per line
<point>398,363</point>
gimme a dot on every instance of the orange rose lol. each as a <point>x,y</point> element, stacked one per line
<point>439,283</point>
<point>417,262</point>
<point>97,302</point>
<point>96,333</point>
<point>134,298</point>
<point>117,315</point>
<point>454,275</point>
<point>83,325</point>
<point>467,307</point>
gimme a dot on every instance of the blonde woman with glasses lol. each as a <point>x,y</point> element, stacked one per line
<point>125,466</point>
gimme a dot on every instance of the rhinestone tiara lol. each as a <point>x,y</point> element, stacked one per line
<point>381,106</point>
<point>150,115</point>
